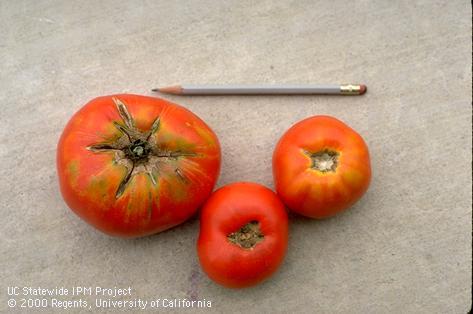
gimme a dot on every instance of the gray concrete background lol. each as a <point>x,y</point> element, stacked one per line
<point>405,247</point>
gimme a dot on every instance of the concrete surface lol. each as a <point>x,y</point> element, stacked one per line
<point>405,247</point>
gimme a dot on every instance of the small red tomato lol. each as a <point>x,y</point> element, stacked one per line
<point>321,166</point>
<point>133,165</point>
<point>243,234</point>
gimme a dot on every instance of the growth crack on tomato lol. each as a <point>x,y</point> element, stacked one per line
<point>247,236</point>
<point>324,161</point>
<point>135,149</point>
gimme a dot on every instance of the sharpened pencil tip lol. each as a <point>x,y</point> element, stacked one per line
<point>169,90</point>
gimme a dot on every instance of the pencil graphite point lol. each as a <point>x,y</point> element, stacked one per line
<point>177,89</point>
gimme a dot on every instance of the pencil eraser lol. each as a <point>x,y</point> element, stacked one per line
<point>362,89</point>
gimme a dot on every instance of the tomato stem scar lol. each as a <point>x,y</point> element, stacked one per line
<point>134,147</point>
<point>325,160</point>
<point>247,236</point>
<point>138,150</point>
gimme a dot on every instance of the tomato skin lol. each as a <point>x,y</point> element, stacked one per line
<point>149,202</point>
<point>313,193</point>
<point>227,210</point>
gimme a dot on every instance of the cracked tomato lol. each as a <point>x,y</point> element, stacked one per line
<point>321,166</point>
<point>243,234</point>
<point>134,165</point>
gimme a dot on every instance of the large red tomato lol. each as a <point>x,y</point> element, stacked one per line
<point>134,165</point>
<point>243,234</point>
<point>321,166</point>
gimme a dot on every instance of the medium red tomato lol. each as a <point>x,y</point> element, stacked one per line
<point>134,165</point>
<point>321,166</point>
<point>243,234</point>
